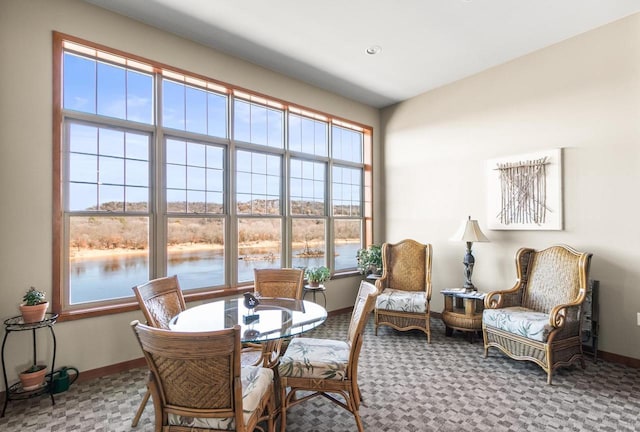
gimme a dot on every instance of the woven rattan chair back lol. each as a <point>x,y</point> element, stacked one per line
<point>363,306</point>
<point>160,300</point>
<point>406,265</point>
<point>283,283</point>
<point>554,277</point>
<point>196,374</point>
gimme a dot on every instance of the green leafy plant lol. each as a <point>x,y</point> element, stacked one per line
<point>33,297</point>
<point>317,274</point>
<point>370,259</point>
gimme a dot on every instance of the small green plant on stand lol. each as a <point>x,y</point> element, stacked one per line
<point>317,275</point>
<point>34,307</point>
<point>33,297</point>
<point>370,260</point>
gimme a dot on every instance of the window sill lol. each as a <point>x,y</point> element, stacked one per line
<point>91,312</point>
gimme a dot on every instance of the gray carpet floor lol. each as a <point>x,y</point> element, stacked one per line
<point>407,386</point>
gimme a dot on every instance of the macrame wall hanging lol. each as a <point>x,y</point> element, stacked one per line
<point>523,191</point>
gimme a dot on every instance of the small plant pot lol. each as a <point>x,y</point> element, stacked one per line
<point>314,284</point>
<point>33,380</point>
<point>35,313</point>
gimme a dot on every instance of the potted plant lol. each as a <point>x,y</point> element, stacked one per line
<point>370,260</point>
<point>33,377</point>
<point>34,307</point>
<point>317,275</point>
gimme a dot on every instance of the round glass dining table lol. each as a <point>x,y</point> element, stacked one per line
<point>271,319</point>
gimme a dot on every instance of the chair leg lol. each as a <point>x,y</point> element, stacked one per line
<point>143,403</point>
<point>283,406</point>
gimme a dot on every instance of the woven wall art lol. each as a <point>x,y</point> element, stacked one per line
<point>525,191</point>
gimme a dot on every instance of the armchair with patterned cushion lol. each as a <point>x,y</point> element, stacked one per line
<point>539,318</point>
<point>405,287</point>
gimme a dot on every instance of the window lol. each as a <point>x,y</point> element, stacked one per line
<point>164,172</point>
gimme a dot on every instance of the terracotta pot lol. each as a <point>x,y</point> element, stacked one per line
<point>33,380</point>
<point>35,313</point>
<point>314,284</point>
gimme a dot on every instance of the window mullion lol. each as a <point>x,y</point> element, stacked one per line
<point>158,236</point>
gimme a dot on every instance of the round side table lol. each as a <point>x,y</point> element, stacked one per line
<point>314,290</point>
<point>462,311</point>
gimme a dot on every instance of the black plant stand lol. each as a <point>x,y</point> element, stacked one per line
<point>16,392</point>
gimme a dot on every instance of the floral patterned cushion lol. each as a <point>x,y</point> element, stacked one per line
<point>255,383</point>
<point>403,301</point>
<point>518,320</point>
<point>315,358</point>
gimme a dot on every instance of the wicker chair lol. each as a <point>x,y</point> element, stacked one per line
<point>198,384</point>
<point>281,283</point>
<point>404,302</point>
<point>160,300</point>
<point>326,367</point>
<point>539,318</point>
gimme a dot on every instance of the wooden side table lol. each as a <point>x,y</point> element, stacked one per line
<point>462,310</point>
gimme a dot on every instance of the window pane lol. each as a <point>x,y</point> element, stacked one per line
<point>258,124</point>
<point>107,256</point>
<point>139,97</point>
<point>196,110</point>
<point>111,170</point>
<point>347,241</point>
<point>111,91</point>
<point>308,135</point>
<point>99,172</point>
<point>347,144</point>
<point>83,197</point>
<point>347,191</point>
<point>217,115</point>
<point>173,105</point>
<point>189,177</point>
<point>259,246</point>
<point>308,243</point>
<point>136,199</point>
<point>111,198</point>
<point>307,187</point>
<point>275,136</point>
<point>195,251</point>
<point>83,168</point>
<point>241,120</point>
<point>258,183</point>
<point>83,139</point>
<point>79,83</point>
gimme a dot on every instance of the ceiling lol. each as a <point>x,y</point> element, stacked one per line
<point>424,44</point>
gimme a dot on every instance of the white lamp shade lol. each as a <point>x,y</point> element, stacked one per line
<point>469,231</point>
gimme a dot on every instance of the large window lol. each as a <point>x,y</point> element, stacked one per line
<point>164,172</point>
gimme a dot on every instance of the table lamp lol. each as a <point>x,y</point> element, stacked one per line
<point>469,232</point>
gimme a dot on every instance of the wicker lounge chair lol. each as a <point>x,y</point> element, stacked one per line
<point>404,302</point>
<point>539,318</point>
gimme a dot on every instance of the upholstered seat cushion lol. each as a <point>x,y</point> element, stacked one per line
<point>255,383</point>
<point>315,358</point>
<point>519,320</point>
<point>402,301</point>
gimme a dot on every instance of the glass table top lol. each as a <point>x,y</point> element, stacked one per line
<point>273,318</point>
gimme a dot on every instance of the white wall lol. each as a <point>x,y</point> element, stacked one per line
<point>26,156</point>
<point>582,95</point>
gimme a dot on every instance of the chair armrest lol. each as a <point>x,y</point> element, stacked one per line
<point>503,298</point>
<point>381,282</point>
<point>562,313</point>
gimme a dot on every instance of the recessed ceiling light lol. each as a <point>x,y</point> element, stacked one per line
<point>373,50</point>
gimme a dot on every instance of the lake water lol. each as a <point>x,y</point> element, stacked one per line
<point>113,277</point>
